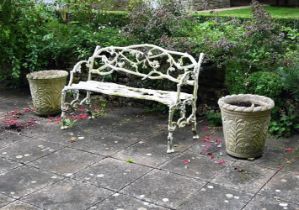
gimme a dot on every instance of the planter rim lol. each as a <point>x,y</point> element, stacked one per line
<point>47,74</point>
<point>264,103</point>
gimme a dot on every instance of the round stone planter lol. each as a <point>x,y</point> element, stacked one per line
<point>45,88</point>
<point>245,120</point>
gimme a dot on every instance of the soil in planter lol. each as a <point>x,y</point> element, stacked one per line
<point>244,104</point>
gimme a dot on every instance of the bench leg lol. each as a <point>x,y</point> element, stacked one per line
<point>88,103</point>
<point>194,130</point>
<point>171,129</point>
<point>63,108</point>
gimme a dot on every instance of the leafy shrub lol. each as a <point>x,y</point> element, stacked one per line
<point>22,24</point>
<point>214,118</point>
<point>149,24</point>
<point>264,83</point>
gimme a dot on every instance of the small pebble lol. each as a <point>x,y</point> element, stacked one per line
<point>41,146</point>
<point>53,177</point>
<point>236,197</point>
<point>87,178</point>
<point>203,189</point>
<point>283,180</point>
<point>283,204</point>
<point>100,175</point>
<point>19,156</point>
<point>81,137</point>
<point>141,208</point>
<point>149,154</point>
<point>115,194</point>
<point>277,190</point>
<point>115,142</point>
<point>26,155</point>
<point>229,196</point>
<point>141,196</point>
<point>12,193</point>
<point>210,186</point>
<point>68,174</point>
<point>4,153</point>
<point>145,203</point>
<point>165,199</point>
<point>33,182</point>
<point>226,201</point>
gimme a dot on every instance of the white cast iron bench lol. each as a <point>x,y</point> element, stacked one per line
<point>145,61</point>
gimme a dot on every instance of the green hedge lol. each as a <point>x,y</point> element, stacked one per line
<point>290,22</point>
<point>112,18</point>
<point>120,18</point>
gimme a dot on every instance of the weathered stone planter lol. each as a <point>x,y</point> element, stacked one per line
<point>245,120</point>
<point>45,88</point>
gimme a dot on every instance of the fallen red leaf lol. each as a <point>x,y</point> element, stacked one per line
<point>186,162</point>
<point>289,150</point>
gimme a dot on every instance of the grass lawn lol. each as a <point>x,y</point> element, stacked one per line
<point>276,12</point>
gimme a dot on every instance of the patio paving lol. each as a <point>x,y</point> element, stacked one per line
<point>119,161</point>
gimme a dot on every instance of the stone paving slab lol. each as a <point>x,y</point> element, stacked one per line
<point>68,195</point>
<point>29,150</point>
<point>195,166</point>
<point>120,201</point>
<point>151,151</point>
<point>24,180</point>
<point>163,188</point>
<point>66,161</point>
<point>213,196</point>
<point>13,104</point>
<point>284,185</point>
<point>271,203</point>
<point>119,160</point>
<point>244,177</point>
<point>7,138</point>
<point>103,145</point>
<point>18,205</point>
<point>4,200</point>
<point>6,165</point>
<point>112,174</point>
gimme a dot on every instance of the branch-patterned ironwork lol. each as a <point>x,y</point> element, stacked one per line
<point>147,62</point>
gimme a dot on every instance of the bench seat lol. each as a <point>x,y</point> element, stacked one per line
<point>166,97</point>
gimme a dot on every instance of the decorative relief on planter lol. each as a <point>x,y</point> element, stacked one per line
<point>245,130</point>
<point>45,88</point>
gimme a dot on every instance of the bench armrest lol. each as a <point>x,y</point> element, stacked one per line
<point>76,69</point>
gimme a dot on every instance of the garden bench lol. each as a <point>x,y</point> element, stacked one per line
<point>145,61</point>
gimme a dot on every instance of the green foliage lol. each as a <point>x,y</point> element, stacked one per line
<point>150,24</point>
<point>214,118</point>
<point>33,38</point>
<point>285,125</point>
<point>264,83</point>
<point>21,38</point>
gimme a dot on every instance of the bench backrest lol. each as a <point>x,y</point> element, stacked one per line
<point>146,61</point>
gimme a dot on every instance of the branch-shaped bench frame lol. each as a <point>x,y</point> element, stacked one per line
<point>128,60</point>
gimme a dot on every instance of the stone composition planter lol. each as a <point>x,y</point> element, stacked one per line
<point>245,120</point>
<point>45,88</point>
